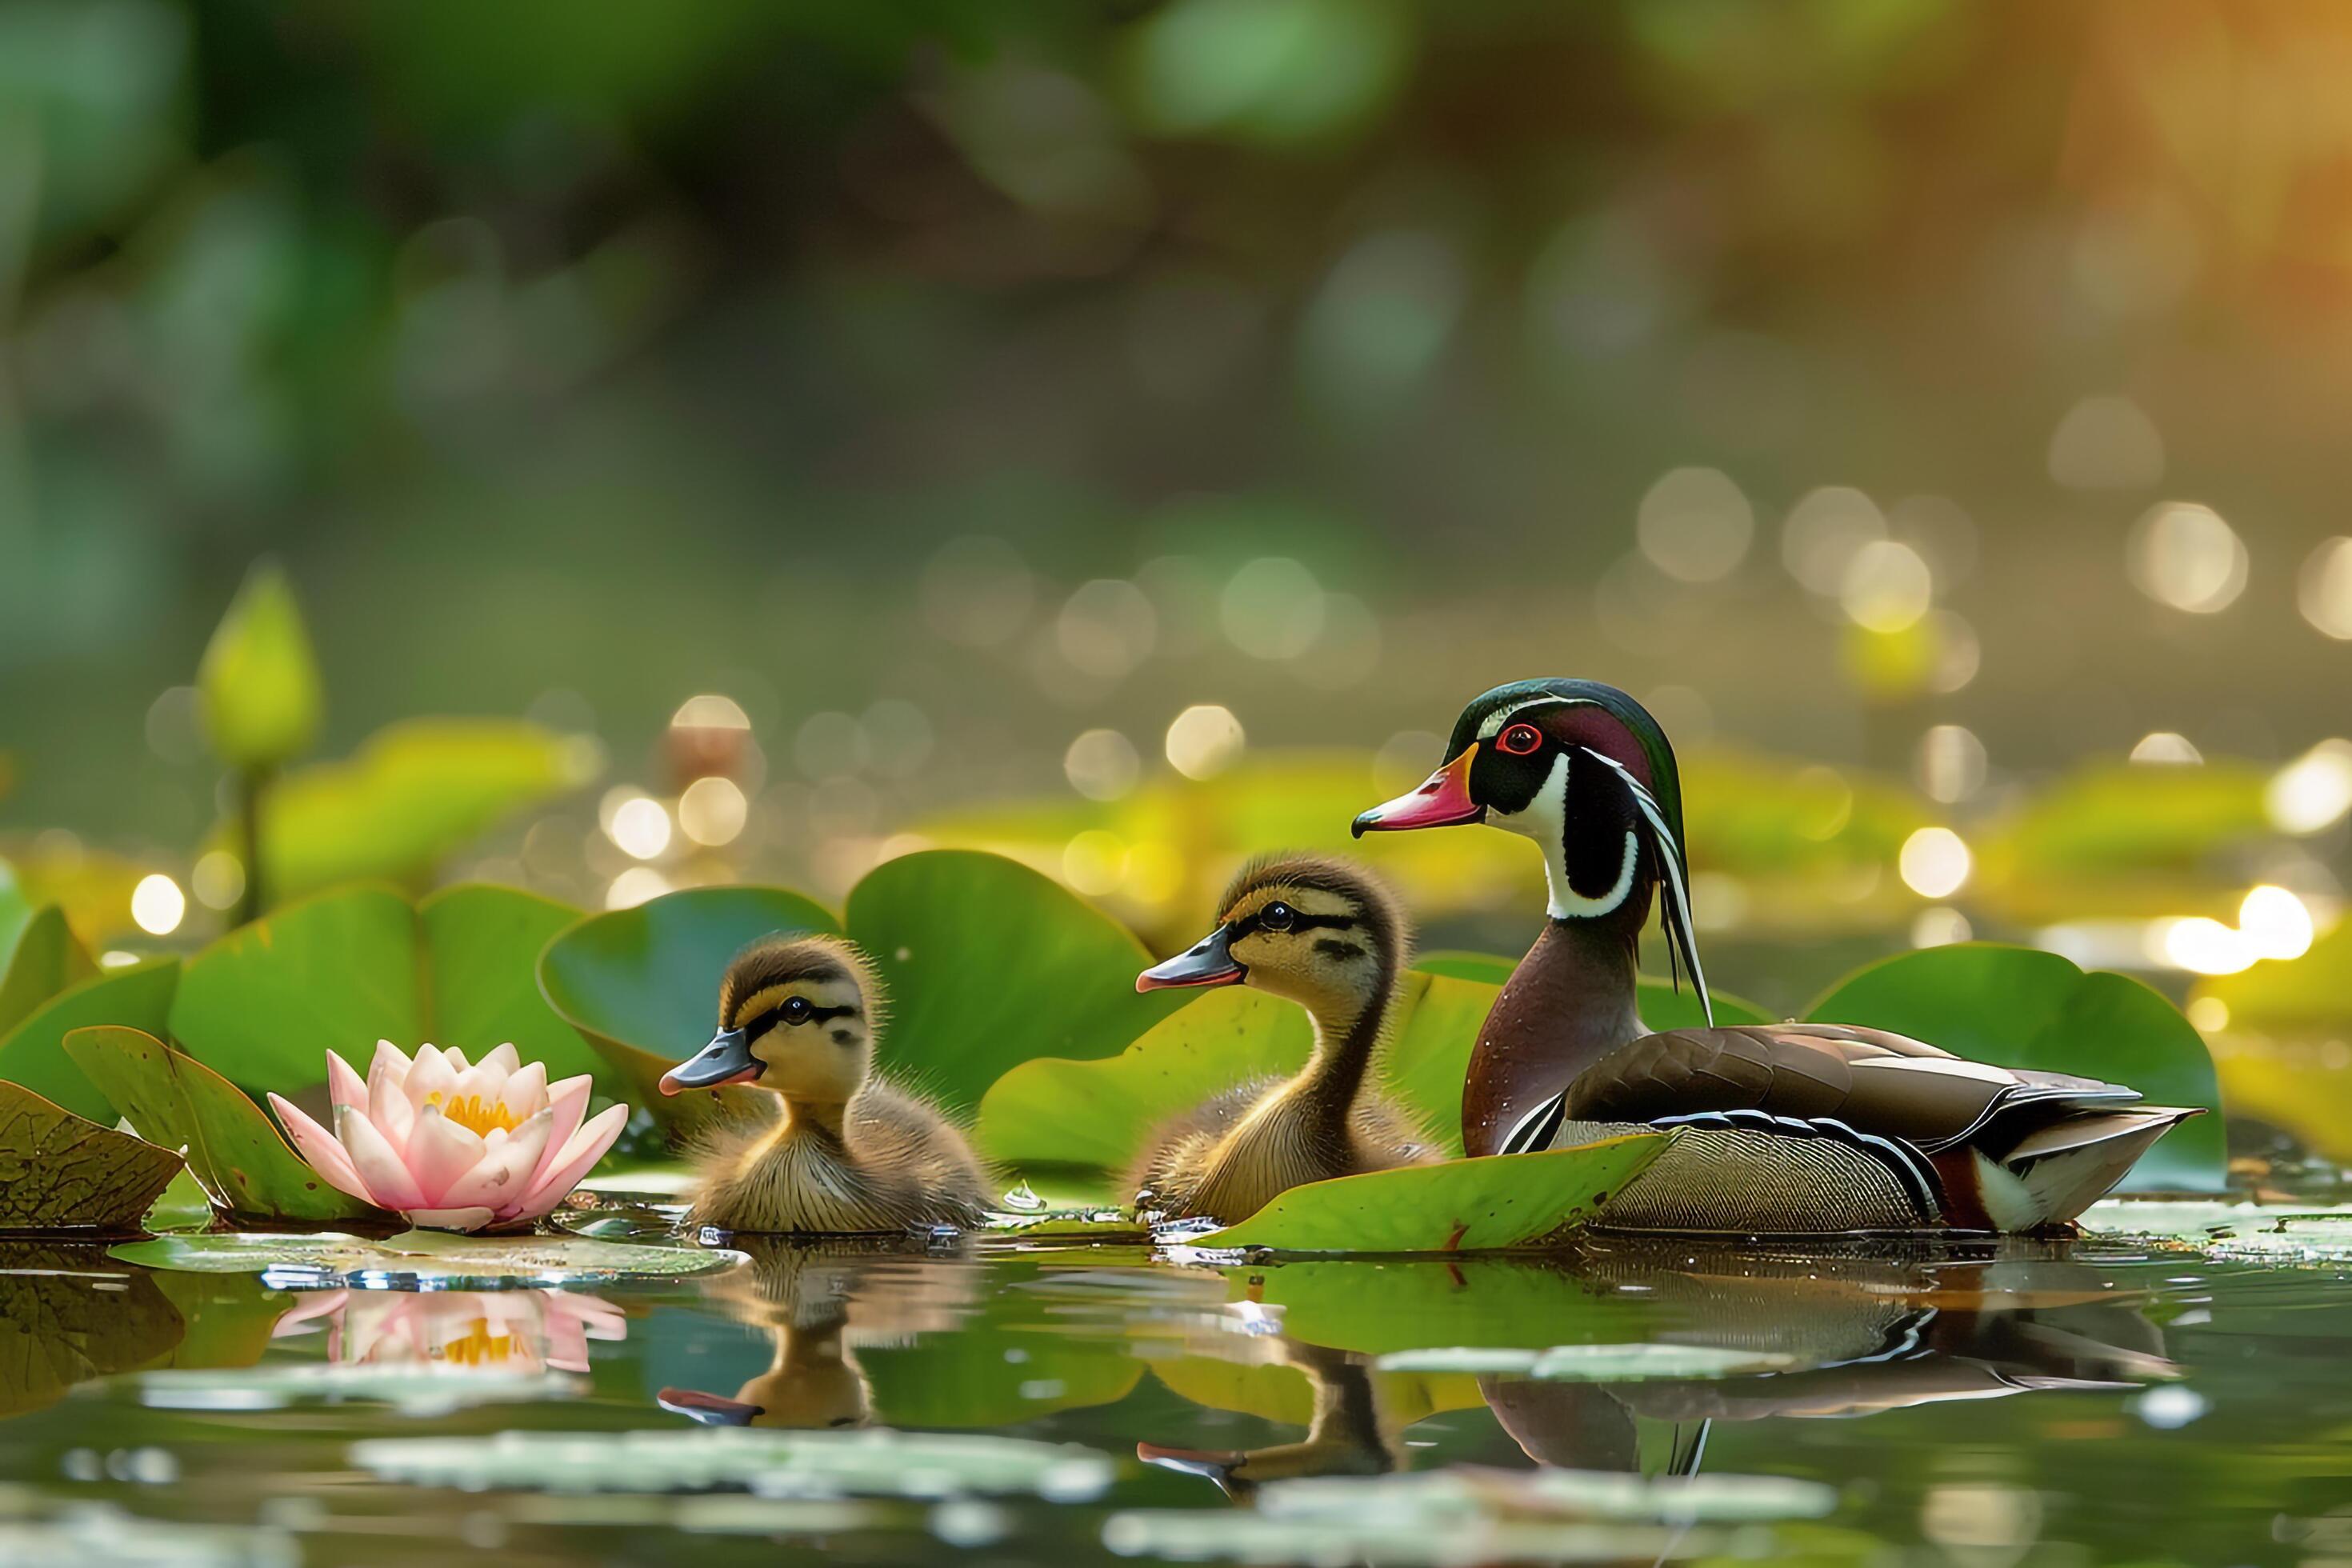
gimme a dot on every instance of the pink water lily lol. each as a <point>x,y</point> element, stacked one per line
<point>452,1144</point>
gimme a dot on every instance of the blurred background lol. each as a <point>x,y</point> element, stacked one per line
<point>1126,434</point>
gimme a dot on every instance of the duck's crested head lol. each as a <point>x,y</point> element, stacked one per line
<point>797,1016</point>
<point>1321,932</point>
<point>1583,770</point>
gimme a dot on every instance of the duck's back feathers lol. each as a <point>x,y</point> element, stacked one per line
<point>899,1165</point>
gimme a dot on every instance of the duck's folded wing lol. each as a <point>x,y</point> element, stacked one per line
<point>1867,1080</point>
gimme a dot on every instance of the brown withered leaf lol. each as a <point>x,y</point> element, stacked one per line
<point>59,1174</point>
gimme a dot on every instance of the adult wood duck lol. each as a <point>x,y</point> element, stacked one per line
<point>1786,1127</point>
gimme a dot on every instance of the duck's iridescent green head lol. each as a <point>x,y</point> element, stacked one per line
<point>1583,770</point>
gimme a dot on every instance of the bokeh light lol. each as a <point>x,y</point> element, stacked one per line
<point>634,886</point>
<point>1951,763</point>
<point>2313,793</point>
<point>1102,764</point>
<point>1105,629</point>
<point>1933,862</point>
<point>641,828</point>
<point>1695,524</point>
<point>1824,532</point>
<point>1272,608</point>
<point>2184,556</point>
<point>711,811</point>
<point>218,879</point>
<point>2276,922</point>
<point>1886,586</point>
<point>2106,444</point>
<point>1204,741</point>
<point>2323,589</point>
<point>158,905</point>
<point>2166,748</point>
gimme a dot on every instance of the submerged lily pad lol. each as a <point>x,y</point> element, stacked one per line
<point>1462,1206</point>
<point>139,996</point>
<point>775,1464</point>
<point>2018,1008</point>
<point>173,1099</point>
<point>265,1002</point>
<point>61,1172</point>
<point>428,1257</point>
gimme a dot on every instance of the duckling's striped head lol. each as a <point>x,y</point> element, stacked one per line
<point>1321,932</point>
<point>797,1016</point>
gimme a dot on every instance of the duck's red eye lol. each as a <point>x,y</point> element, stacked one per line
<point>1520,739</point>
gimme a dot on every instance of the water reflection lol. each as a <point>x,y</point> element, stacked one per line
<point>457,1331</point>
<point>69,1314</point>
<point>1354,1428</point>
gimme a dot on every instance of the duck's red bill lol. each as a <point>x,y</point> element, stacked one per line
<point>1443,801</point>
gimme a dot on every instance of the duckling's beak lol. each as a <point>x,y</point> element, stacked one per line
<point>1211,963</point>
<point>1221,1466</point>
<point>1443,801</point>
<point>728,1058</point>
<point>708,1408</point>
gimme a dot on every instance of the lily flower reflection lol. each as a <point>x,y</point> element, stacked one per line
<point>457,1331</point>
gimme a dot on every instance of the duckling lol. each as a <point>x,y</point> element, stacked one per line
<point>847,1154</point>
<point>1323,935</point>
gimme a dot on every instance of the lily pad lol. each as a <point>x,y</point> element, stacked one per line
<point>1593,1363</point>
<point>433,1260</point>
<point>2249,1232</point>
<point>988,964</point>
<point>265,1004</point>
<point>413,793</point>
<point>139,996</point>
<point>235,1154</point>
<point>2015,1006</point>
<point>43,961</point>
<point>61,1172</point>
<point>2293,994</point>
<point>1463,1205</point>
<point>770,1463</point>
<point>427,1390</point>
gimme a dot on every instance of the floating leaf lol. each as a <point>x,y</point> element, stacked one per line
<point>15,908</point>
<point>66,1315</point>
<point>265,1002</point>
<point>433,1258</point>
<point>1593,1363</point>
<point>641,985</point>
<point>2119,839</point>
<point>2014,1007</point>
<point>2251,1232</point>
<point>43,961</point>
<point>2290,995</point>
<point>138,997</point>
<point>988,964</point>
<point>1463,1205</point>
<point>61,1172</point>
<point>235,1154</point>
<point>770,1463</point>
<point>413,792</point>
<point>257,687</point>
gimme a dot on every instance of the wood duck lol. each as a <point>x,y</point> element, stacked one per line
<point>1789,1127</point>
<point>845,1153</point>
<point>1323,935</point>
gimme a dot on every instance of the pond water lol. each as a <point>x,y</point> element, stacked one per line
<point>2110,1399</point>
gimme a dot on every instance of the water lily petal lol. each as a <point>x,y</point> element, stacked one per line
<point>317,1146</point>
<point>448,1219</point>
<point>432,1075</point>
<point>310,1306</point>
<point>502,1175</point>
<point>475,1084</point>
<point>506,1058</point>
<point>569,1099</point>
<point>392,1056</point>
<point>388,1181</point>
<point>441,1151</point>
<point>586,1147</point>
<point>345,1087</point>
<point>387,1101</point>
<point>455,1059</point>
<point>525,1094</point>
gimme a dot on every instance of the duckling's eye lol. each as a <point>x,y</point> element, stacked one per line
<point>1276,917</point>
<point>797,1009</point>
<point>1520,739</point>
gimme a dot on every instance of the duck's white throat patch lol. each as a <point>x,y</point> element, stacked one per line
<point>1545,820</point>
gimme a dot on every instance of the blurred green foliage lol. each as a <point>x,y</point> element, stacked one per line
<point>258,683</point>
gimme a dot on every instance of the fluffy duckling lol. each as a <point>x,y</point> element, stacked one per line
<point>845,1154</point>
<point>1325,935</point>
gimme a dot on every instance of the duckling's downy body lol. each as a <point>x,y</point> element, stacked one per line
<point>845,1154</point>
<point>1324,935</point>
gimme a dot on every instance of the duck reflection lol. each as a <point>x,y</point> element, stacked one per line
<point>818,1301</point>
<point>1355,1429</point>
<point>1866,1331</point>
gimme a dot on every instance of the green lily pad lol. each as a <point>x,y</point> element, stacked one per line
<point>1634,1363</point>
<point>436,1259</point>
<point>1463,1205</point>
<point>2279,1233</point>
<point>2014,1007</point>
<point>138,996</point>
<point>43,961</point>
<point>265,1002</point>
<point>641,985</point>
<point>413,792</point>
<point>990,965</point>
<point>15,908</point>
<point>771,1463</point>
<point>2290,995</point>
<point>59,1172</point>
<point>235,1154</point>
<point>2119,840</point>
